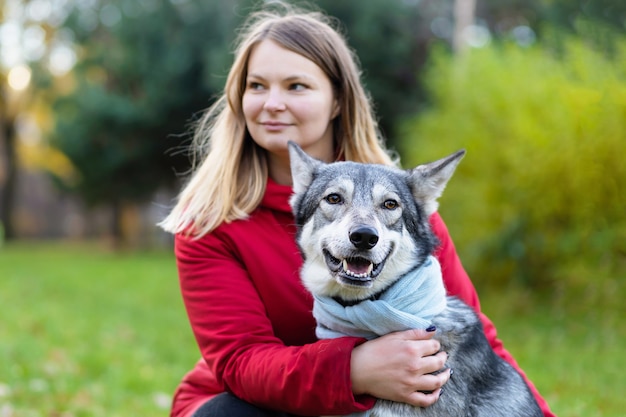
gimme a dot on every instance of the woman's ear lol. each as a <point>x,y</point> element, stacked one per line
<point>336,109</point>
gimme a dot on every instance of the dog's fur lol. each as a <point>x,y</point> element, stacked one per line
<point>390,209</point>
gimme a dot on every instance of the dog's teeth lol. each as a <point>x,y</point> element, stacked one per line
<point>366,274</point>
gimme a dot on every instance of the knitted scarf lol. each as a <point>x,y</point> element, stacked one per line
<point>409,303</point>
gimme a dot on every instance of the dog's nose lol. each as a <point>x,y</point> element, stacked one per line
<point>364,237</point>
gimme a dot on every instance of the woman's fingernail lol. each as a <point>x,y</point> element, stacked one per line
<point>431,329</point>
<point>440,392</point>
<point>451,372</point>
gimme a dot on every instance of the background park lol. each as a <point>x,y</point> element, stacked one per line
<point>97,99</point>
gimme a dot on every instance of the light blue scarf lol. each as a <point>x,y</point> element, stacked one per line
<point>409,303</point>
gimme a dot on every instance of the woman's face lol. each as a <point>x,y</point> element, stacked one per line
<point>288,97</point>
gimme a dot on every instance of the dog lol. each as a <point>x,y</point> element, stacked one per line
<point>367,246</point>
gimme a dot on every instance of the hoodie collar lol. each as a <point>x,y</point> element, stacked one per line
<point>276,196</point>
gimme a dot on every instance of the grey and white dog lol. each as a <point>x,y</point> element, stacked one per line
<point>364,234</point>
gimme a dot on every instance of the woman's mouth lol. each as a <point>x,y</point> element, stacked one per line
<point>274,126</point>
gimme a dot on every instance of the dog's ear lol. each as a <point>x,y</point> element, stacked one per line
<point>302,167</point>
<point>428,181</point>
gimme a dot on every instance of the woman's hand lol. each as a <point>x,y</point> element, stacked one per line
<point>398,367</point>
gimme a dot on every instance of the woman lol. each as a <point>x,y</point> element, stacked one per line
<point>293,78</point>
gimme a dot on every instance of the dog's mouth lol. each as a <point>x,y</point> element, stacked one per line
<point>356,271</point>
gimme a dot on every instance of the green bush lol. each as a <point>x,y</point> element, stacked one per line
<point>540,197</point>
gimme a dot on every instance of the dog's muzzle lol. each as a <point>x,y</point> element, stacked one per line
<point>356,268</point>
<point>357,271</point>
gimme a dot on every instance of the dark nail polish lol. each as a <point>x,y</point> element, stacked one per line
<point>431,329</point>
<point>440,392</point>
<point>451,372</point>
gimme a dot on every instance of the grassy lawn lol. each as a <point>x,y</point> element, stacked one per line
<point>86,332</point>
<point>574,356</point>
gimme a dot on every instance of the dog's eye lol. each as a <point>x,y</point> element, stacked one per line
<point>390,204</point>
<point>333,199</point>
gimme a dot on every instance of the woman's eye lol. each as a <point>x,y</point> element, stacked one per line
<point>255,86</point>
<point>297,87</point>
<point>333,199</point>
<point>390,204</point>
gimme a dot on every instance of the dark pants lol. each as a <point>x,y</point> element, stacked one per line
<point>227,405</point>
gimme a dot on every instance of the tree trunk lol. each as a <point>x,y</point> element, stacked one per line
<point>117,229</point>
<point>8,178</point>
<point>463,17</point>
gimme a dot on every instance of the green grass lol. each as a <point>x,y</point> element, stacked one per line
<point>87,332</point>
<point>575,356</point>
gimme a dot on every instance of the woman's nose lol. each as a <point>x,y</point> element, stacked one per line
<point>274,101</point>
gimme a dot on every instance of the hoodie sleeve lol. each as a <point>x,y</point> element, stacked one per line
<point>458,284</point>
<point>229,312</point>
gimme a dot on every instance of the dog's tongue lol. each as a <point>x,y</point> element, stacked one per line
<point>357,265</point>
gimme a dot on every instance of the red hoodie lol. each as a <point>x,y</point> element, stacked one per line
<point>252,318</point>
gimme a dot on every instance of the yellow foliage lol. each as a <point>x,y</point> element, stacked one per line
<point>543,185</point>
<point>42,157</point>
<point>33,152</point>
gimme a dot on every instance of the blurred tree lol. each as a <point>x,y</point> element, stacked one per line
<point>391,40</point>
<point>567,12</point>
<point>15,94</point>
<point>144,69</point>
<point>8,168</point>
<point>528,20</point>
<point>542,183</point>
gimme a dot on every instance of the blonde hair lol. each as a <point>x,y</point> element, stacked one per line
<point>230,180</point>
